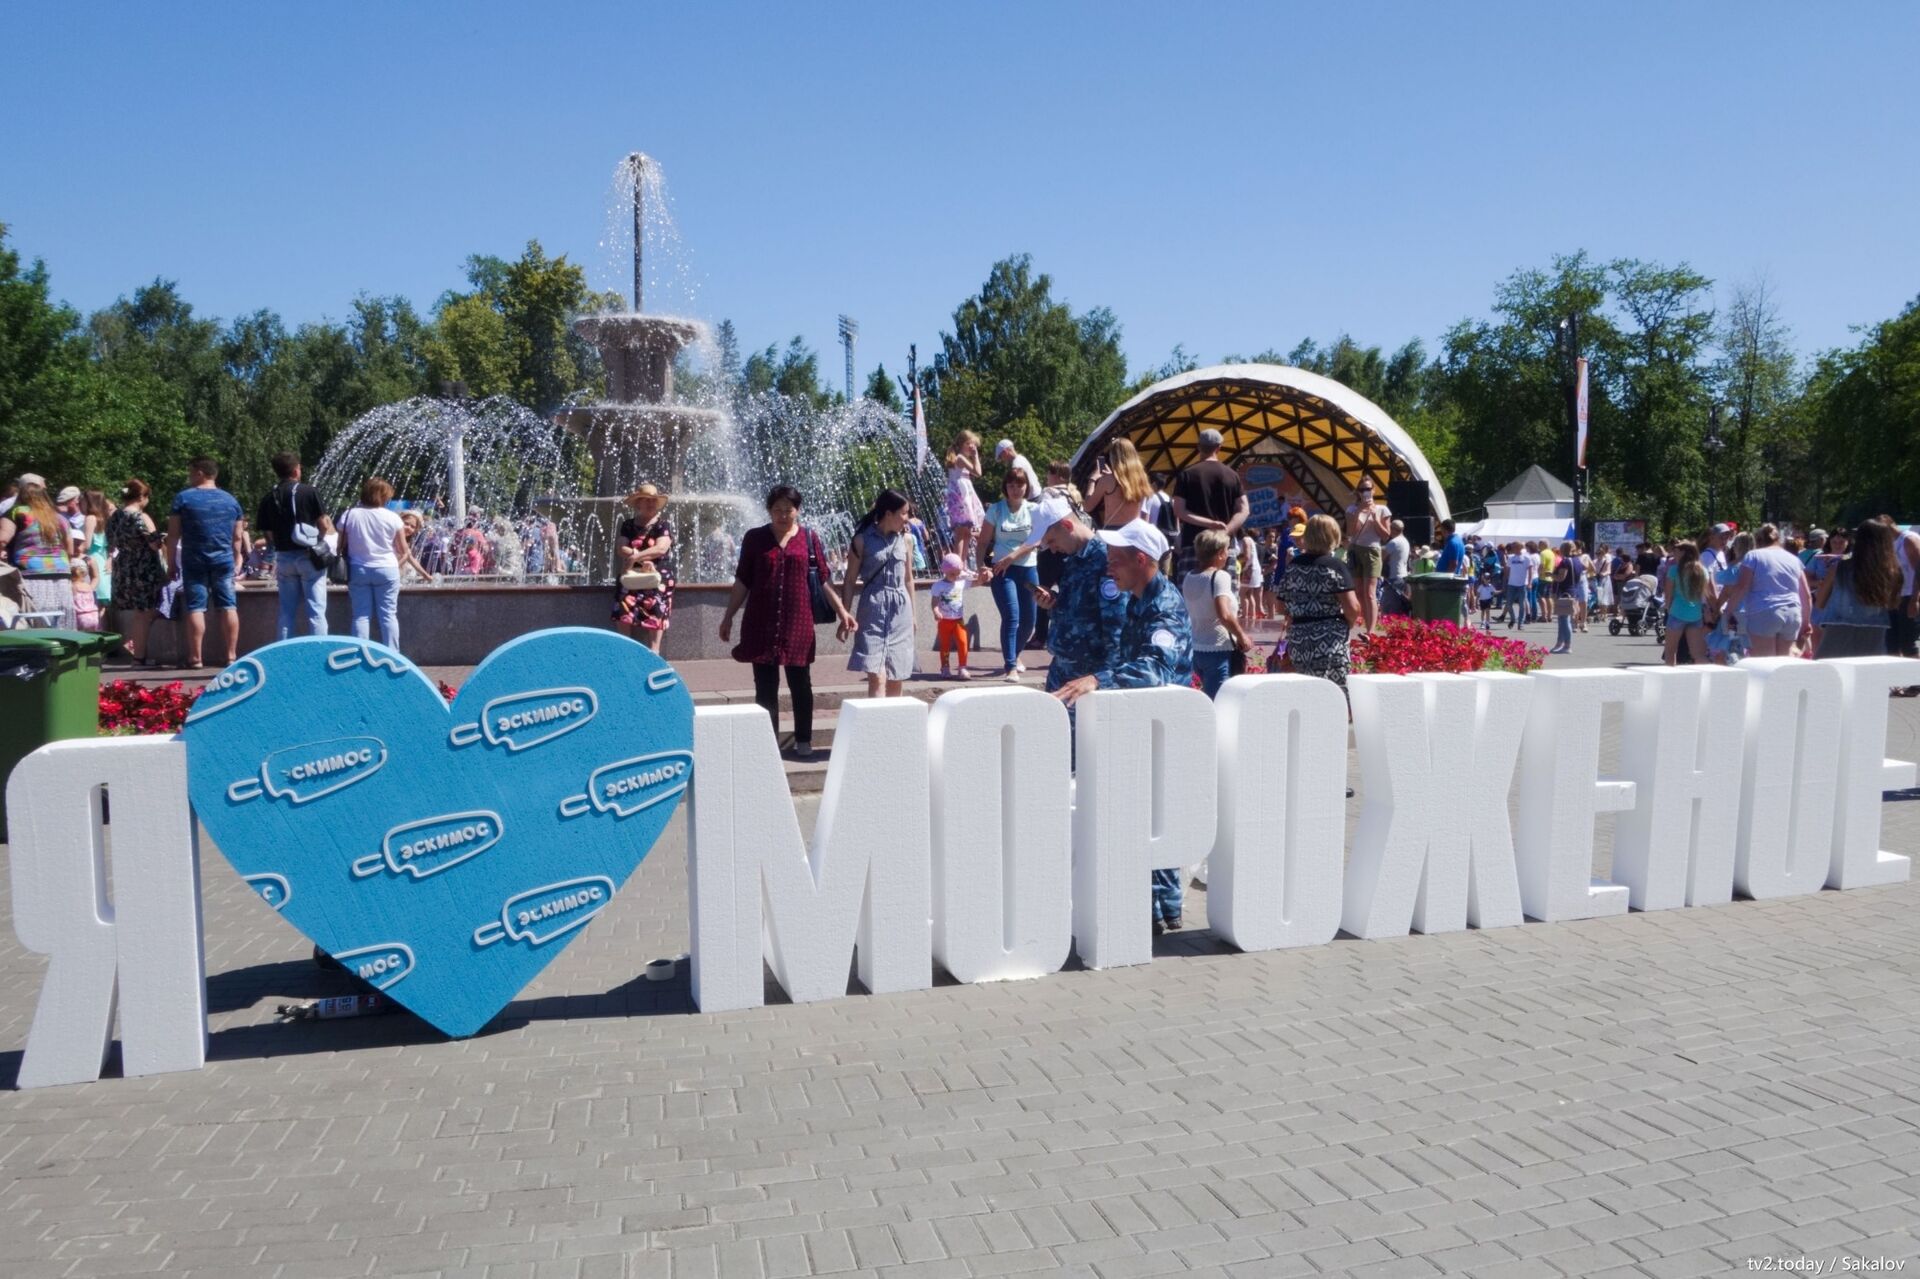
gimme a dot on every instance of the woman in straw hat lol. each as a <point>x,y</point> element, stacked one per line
<point>644,555</point>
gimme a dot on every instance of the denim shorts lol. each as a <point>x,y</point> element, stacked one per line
<point>197,584</point>
<point>1779,622</point>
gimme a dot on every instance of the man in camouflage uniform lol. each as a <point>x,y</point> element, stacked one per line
<point>1087,606</point>
<point>1154,648</point>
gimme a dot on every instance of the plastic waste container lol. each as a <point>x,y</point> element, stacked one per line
<point>1439,597</point>
<point>49,690</point>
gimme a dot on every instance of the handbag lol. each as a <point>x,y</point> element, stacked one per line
<point>817,592</point>
<point>339,572</point>
<point>641,579</point>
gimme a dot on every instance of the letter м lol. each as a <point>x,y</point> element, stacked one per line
<point>864,885</point>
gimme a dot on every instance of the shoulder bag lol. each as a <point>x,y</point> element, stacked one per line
<point>339,572</point>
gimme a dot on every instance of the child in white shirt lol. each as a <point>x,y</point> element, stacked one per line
<point>950,613</point>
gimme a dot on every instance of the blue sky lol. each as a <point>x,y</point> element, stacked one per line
<point>1227,177</point>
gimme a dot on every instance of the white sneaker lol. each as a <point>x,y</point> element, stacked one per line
<point>1013,674</point>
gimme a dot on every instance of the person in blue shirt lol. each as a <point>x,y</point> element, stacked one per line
<point>206,538</point>
<point>1453,551</point>
<point>1154,648</point>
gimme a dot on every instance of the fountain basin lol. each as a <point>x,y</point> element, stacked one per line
<point>448,625</point>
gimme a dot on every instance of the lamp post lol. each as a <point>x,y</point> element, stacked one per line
<point>1713,444</point>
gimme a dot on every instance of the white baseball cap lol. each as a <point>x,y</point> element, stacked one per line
<point>70,493</point>
<point>1139,535</point>
<point>1047,512</point>
<point>29,478</point>
<point>1004,446</point>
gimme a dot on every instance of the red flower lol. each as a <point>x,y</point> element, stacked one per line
<point>126,707</point>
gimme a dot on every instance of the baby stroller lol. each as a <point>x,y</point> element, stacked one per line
<point>1639,610</point>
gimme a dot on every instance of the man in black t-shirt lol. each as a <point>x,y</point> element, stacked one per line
<point>294,521</point>
<point>1647,561</point>
<point>1207,495</point>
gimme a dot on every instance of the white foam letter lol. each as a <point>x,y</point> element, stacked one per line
<point>1145,801</point>
<point>1560,796</point>
<point>1274,877</point>
<point>147,933</point>
<point>1681,744</point>
<point>1425,856</point>
<point>1002,841</point>
<point>1792,776</point>
<point>866,877</point>
<point>1858,859</point>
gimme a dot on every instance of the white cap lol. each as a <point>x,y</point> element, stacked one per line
<point>1047,512</point>
<point>28,478</point>
<point>1139,535</point>
<point>70,493</point>
<point>1004,446</point>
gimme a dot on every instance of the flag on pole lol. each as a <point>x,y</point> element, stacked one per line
<point>1580,413</point>
<point>919,429</point>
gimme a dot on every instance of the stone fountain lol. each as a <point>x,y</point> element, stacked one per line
<point>639,434</point>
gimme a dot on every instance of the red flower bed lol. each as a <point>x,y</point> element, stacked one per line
<point>127,707</point>
<point>1404,645</point>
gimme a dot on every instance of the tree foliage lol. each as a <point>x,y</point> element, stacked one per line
<point>142,385</point>
<point>1020,364</point>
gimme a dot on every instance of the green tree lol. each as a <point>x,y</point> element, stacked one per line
<point>1755,378</point>
<point>881,389</point>
<point>1863,407</point>
<point>794,373</point>
<point>1020,364</point>
<point>1500,384</point>
<point>526,347</point>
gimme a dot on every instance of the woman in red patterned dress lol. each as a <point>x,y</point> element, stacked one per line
<point>777,631</point>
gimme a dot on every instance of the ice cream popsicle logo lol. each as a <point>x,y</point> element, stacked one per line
<point>632,785</point>
<point>301,774</point>
<point>432,844</point>
<point>542,914</point>
<point>521,720</point>
<point>381,965</point>
<point>229,688</point>
<point>274,889</point>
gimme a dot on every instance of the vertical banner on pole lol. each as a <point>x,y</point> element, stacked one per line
<point>1580,411</point>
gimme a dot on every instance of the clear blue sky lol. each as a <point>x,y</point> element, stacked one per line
<point>1227,177</point>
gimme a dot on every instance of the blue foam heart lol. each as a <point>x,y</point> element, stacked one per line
<point>443,854</point>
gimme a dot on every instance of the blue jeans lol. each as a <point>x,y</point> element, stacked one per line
<point>1563,634</point>
<point>1213,669</point>
<point>1168,894</point>
<point>207,585</point>
<point>301,581</point>
<point>1516,605</point>
<point>376,588</point>
<point>1013,595</point>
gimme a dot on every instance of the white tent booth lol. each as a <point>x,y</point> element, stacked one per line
<point>1536,507</point>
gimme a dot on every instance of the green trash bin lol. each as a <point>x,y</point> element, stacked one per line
<point>49,691</point>
<point>1439,597</point>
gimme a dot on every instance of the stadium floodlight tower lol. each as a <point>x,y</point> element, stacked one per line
<point>849,331</point>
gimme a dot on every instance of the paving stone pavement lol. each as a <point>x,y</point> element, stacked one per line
<point>1677,1093</point>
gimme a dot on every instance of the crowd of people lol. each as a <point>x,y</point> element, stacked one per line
<point>72,555</point>
<point>1721,597</point>
<point>74,559</point>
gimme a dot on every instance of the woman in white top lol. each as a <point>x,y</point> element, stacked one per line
<point>1220,643</point>
<point>374,540</point>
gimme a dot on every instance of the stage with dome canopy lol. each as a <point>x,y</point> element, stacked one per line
<point>1296,438</point>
